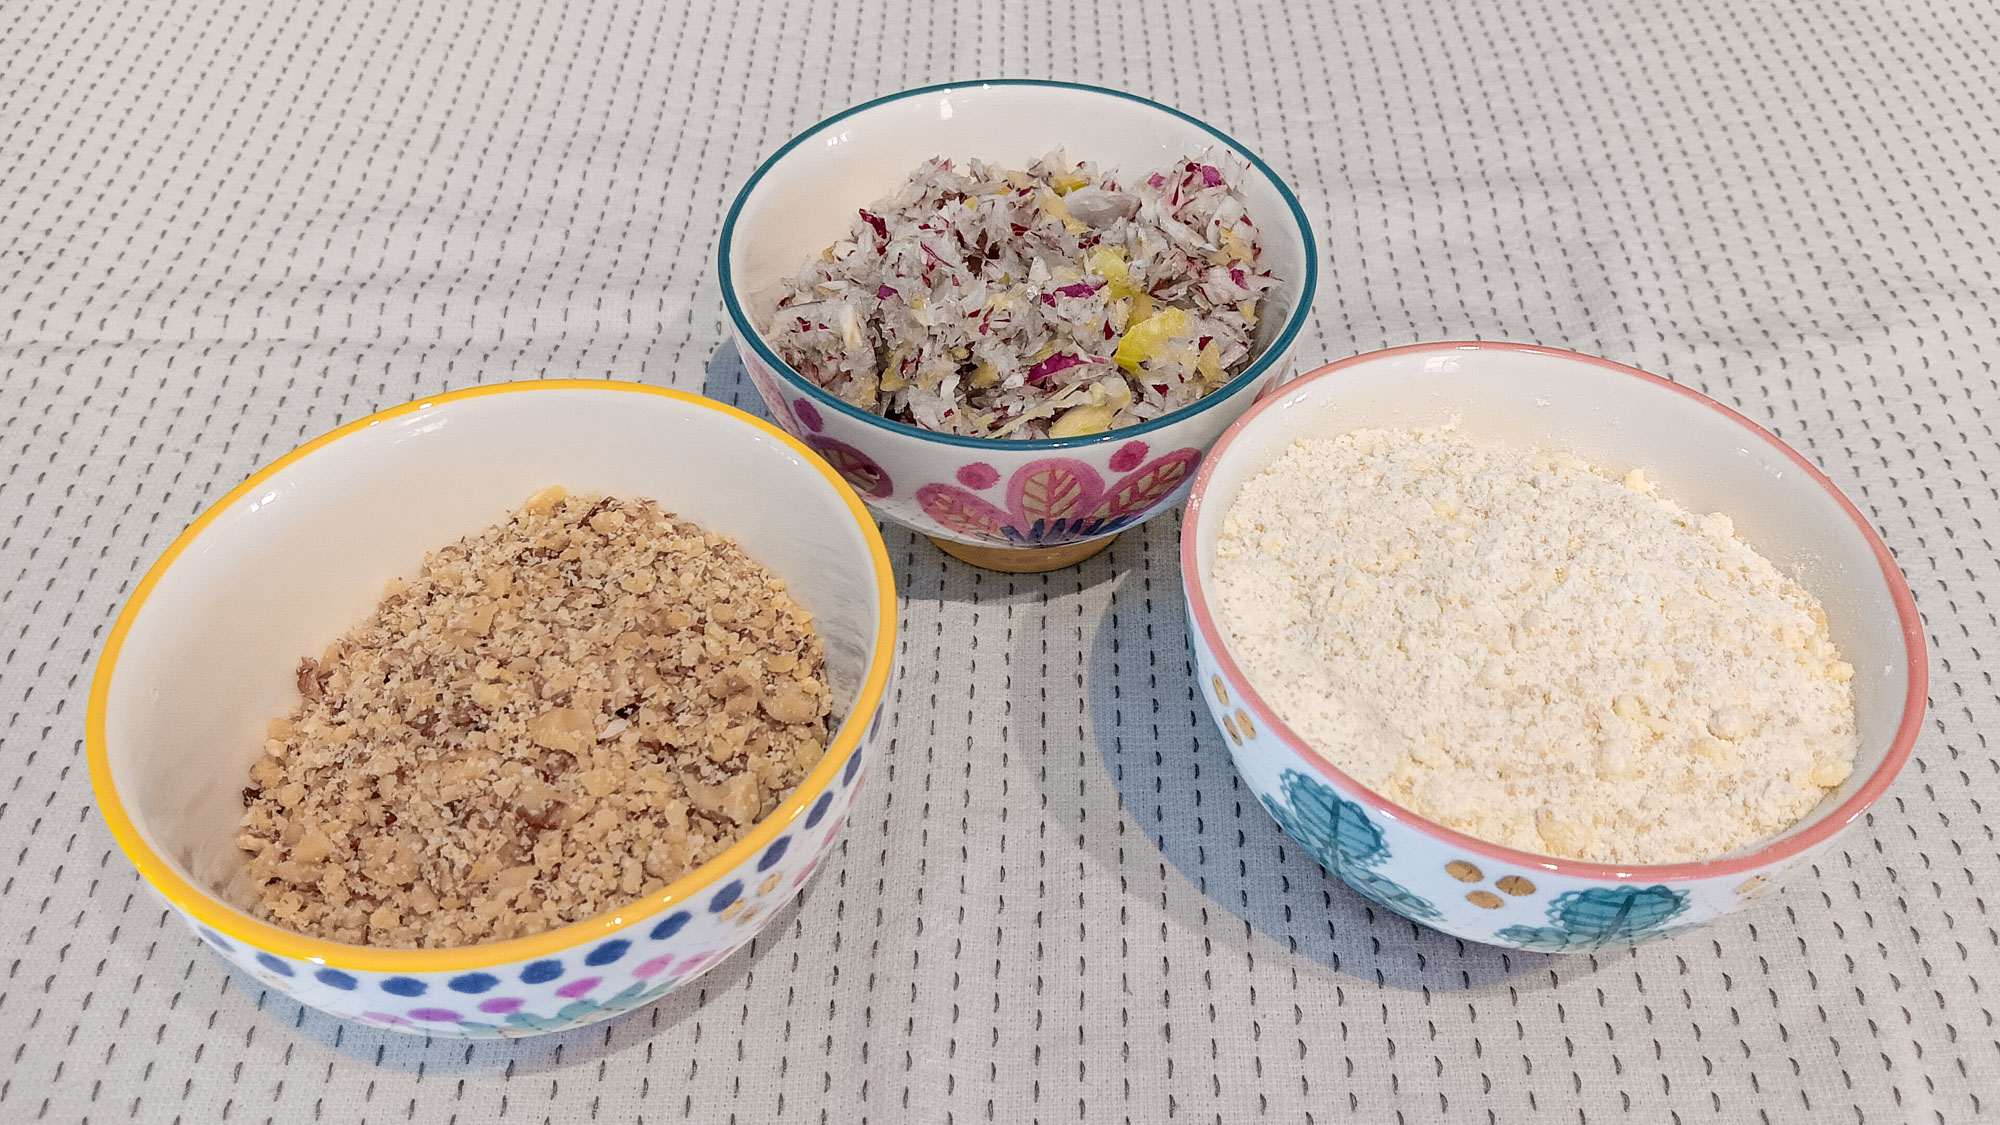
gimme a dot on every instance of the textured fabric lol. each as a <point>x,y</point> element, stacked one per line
<point>226,226</point>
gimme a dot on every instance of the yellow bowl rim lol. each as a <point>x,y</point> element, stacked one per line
<point>262,936</point>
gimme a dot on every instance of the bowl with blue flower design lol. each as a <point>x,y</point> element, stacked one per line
<point>1027,504</point>
<point>1709,458</point>
<point>205,650</point>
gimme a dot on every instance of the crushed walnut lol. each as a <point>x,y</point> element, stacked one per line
<point>558,715</point>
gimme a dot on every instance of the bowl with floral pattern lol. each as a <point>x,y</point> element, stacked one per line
<point>1014,504</point>
<point>206,649</point>
<point>1706,456</point>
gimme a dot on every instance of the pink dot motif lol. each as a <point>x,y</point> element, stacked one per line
<point>654,967</point>
<point>501,1005</point>
<point>1128,456</point>
<point>697,961</point>
<point>576,988</point>
<point>979,474</point>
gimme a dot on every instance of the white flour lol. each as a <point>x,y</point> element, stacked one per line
<point>1532,653</point>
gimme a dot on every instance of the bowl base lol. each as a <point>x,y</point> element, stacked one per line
<point>1023,560</point>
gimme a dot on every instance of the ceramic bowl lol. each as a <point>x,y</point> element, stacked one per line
<point>975,491</point>
<point>205,652</point>
<point>1704,455</point>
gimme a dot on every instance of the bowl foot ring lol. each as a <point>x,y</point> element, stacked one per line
<point>1023,560</point>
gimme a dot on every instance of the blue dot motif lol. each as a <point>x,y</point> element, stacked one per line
<point>405,986</point>
<point>215,940</point>
<point>819,808</point>
<point>608,952</point>
<point>472,982</point>
<point>274,964</point>
<point>853,767</point>
<point>334,978</point>
<point>671,925</point>
<point>541,971</point>
<point>774,853</point>
<point>725,896</point>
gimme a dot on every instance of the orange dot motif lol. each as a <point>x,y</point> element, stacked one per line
<point>1243,721</point>
<point>1221,692</point>
<point>1756,886</point>
<point>1229,724</point>
<point>1512,885</point>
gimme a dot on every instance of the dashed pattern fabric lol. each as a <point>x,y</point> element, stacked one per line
<point>226,227</point>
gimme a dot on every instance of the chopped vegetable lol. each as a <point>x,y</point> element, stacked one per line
<point>1050,302</point>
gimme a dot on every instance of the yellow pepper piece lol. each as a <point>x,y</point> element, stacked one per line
<point>1234,246</point>
<point>1142,307</point>
<point>1149,338</point>
<point>1108,262</point>
<point>893,382</point>
<point>1066,182</point>
<point>1053,207</point>
<point>1080,420</point>
<point>984,375</point>
<point>1249,311</point>
<point>1209,365</point>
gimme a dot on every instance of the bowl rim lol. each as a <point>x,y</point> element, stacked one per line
<point>1774,851</point>
<point>218,916</point>
<point>1264,362</point>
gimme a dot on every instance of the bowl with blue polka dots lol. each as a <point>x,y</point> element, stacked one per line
<point>203,652</point>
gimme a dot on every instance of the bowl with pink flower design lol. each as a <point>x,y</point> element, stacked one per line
<point>1000,503</point>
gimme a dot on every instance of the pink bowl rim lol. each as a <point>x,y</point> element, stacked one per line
<point>1774,852</point>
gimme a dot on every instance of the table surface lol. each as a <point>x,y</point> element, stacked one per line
<point>227,226</point>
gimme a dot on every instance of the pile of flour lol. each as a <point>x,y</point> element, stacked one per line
<point>1514,645</point>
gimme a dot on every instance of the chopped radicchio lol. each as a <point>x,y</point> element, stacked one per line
<point>1045,302</point>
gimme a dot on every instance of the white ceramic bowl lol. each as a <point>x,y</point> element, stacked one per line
<point>1704,455</point>
<point>1019,494</point>
<point>205,652</point>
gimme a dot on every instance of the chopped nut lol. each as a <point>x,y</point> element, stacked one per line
<point>516,738</point>
<point>563,728</point>
<point>546,500</point>
<point>789,703</point>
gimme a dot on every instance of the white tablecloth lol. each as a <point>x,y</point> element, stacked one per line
<point>226,226</point>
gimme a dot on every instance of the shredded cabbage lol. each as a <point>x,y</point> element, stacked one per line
<point>1050,302</point>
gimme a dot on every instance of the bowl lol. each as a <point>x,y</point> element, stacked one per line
<point>1704,455</point>
<point>995,497</point>
<point>205,652</point>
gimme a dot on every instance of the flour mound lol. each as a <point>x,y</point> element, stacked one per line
<point>1516,645</point>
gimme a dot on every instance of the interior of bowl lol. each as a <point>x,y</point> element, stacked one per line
<point>805,197</point>
<point>1702,457</point>
<point>210,654</point>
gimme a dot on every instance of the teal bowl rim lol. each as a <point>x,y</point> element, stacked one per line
<point>1258,367</point>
